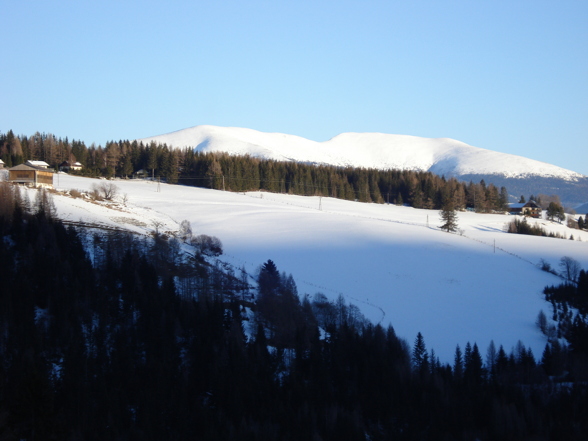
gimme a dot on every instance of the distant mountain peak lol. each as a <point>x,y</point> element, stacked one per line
<point>442,156</point>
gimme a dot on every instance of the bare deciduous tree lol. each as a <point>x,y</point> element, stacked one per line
<point>106,190</point>
<point>157,225</point>
<point>185,232</point>
<point>570,268</point>
<point>208,245</point>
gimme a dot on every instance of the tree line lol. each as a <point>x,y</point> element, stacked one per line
<point>567,323</point>
<point>244,173</point>
<point>521,226</point>
<point>116,336</point>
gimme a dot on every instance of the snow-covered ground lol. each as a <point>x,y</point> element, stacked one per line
<point>393,262</point>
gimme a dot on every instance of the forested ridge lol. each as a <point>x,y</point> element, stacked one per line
<point>244,173</point>
<point>116,336</point>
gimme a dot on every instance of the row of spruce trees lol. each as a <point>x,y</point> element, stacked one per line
<point>244,173</point>
<point>115,336</point>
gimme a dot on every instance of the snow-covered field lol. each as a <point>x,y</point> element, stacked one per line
<point>393,262</point>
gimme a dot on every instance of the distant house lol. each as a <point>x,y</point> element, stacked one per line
<point>140,174</point>
<point>67,166</point>
<point>31,175</point>
<point>530,209</point>
<point>1,163</point>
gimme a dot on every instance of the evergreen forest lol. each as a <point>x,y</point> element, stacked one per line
<point>222,171</point>
<point>109,335</point>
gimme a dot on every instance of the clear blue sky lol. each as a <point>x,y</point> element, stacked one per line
<point>510,76</point>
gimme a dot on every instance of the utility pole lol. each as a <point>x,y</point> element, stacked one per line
<point>320,203</point>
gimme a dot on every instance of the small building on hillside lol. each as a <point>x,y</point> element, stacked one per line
<point>1,163</point>
<point>141,174</point>
<point>67,166</point>
<point>530,209</point>
<point>30,175</point>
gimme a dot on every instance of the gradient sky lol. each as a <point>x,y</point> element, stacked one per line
<point>510,76</point>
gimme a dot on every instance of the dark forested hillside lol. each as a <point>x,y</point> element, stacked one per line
<point>571,192</point>
<point>114,336</point>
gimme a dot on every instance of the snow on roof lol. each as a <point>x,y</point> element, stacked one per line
<point>37,163</point>
<point>531,204</point>
<point>28,166</point>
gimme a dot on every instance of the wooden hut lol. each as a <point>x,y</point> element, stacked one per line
<point>31,175</point>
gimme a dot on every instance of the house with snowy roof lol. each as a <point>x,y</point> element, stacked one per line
<point>530,209</point>
<point>67,166</point>
<point>31,175</point>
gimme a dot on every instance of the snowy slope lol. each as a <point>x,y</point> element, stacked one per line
<point>393,262</point>
<point>442,156</point>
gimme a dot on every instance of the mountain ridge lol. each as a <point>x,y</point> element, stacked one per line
<point>442,156</point>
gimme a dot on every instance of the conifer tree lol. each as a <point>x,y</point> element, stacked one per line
<point>491,356</point>
<point>458,363</point>
<point>44,204</point>
<point>503,200</point>
<point>448,216</point>
<point>473,364</point>
<point>555,212</point>
<point>419,353</point>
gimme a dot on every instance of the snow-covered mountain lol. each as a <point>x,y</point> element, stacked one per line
<point>442,156</point>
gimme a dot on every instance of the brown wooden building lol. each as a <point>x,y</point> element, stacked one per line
<point>30,175</point>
